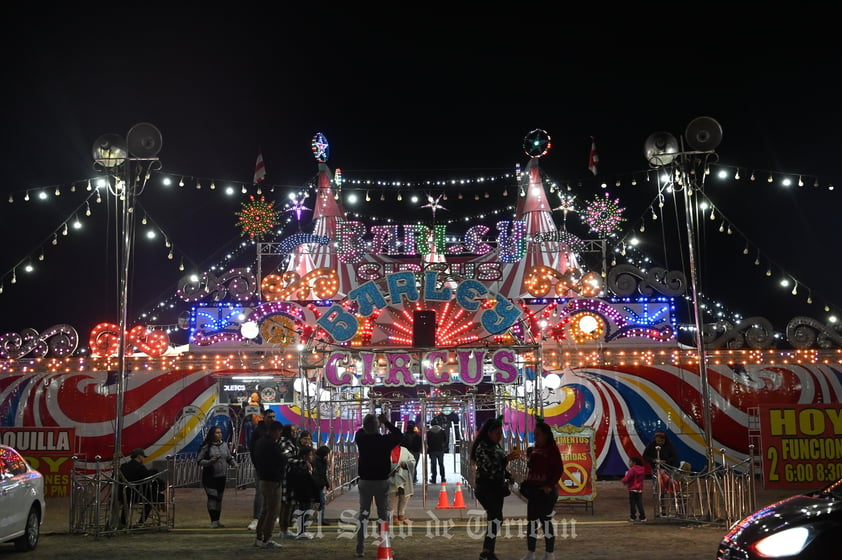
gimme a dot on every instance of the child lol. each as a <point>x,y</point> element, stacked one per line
<point>633,480</point>
<point>320,474</point>
<point>304,492</point>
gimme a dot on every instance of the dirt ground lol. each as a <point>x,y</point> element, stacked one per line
<point>604,533</point>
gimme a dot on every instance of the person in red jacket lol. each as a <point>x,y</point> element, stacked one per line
<point>633,480</point>
<point>544,471</point>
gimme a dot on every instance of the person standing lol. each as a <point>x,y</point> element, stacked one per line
<point>215,458</point>
<point>257,433</point>
<point>401,486</point>
<point>436,448</point>
<point>658,452</point>
<point>412,441</point>
<point>373,468</point>
<point>151,491</point>
<point>320,474</point>
<point>633,481</point>
<point>544,469</point>
<point>292,454</point>
<point>491,479</point>
<point>269,465</point>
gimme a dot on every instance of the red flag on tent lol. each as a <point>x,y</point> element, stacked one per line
<point>259,169</point>
<point>594,157</point>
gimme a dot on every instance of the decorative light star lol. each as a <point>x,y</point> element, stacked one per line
<point>433,204</point>
<point>257,218</point>
<point>567,203</point>
<point>320,147</point>
<point>298,207</point>
<point>537,143</point>
<point>603,215</point>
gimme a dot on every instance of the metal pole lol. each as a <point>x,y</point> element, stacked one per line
<point>691,212</point>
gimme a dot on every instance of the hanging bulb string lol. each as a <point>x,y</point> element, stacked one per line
<point>59,230</point>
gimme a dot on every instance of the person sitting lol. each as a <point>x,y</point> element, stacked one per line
<point>152,488</point>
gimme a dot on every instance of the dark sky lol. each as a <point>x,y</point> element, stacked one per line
<point>399,106</point>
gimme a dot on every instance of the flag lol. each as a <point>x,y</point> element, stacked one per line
<point>594,157</point>
<point>259,169</point>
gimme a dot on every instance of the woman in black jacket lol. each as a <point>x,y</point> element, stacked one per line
<point>491,479</point>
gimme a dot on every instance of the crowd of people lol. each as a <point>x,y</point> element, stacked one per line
<point>292,477</point>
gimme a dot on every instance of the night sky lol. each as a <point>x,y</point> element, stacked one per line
<point>398,107</point>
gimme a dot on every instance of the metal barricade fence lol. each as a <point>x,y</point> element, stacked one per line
<point>722,495</point>
<point>101,504</point>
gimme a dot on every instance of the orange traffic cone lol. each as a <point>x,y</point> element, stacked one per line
<point>458,500</point>
<point>384,549</point>
<point>443,503</point>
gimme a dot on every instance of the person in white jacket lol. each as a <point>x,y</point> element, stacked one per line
<point>401,486</point>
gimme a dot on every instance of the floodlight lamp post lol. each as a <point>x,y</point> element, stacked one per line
<point>122,159</point>
<point>661,149</point>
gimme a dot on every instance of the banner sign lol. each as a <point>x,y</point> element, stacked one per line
<point>801,445</point>
<point>48,450</point>
<point>576,446</point>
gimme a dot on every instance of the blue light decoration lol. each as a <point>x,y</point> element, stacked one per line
<point>320,147</point>
<point>289,244</point>
<point>216,324</point>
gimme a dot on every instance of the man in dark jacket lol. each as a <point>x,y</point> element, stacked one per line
<point>660,448</point>
<point>258,431</point>
<point>412,441</point>
<point>269,465</point>
<point>374,465</point>
<point>436,448</point>
<point>150,491</point>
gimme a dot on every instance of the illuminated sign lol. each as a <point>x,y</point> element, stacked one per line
<point>801,445</point>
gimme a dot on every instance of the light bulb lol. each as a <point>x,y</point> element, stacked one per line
<point>800,181</point>
<point>737,174</point>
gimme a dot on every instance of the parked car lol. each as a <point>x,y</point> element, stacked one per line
<point>22,503</point>
<point>805,526</point>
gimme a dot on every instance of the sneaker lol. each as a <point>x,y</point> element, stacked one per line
<point>291,534</point>
<point>305,536</point>
<point>643,520</point>
<point>359,554</point>
<point>529,556</point>
<point>253,525</point>
<point>632,519</point>
<point>259,543</point>
<point>548,556</point>
<point>217,525</point>
<point>272,544</point>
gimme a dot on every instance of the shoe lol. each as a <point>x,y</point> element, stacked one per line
<point>291,534</point>
<point>529,556</point>
<point>305,536</point>
<point>259,543</point>
<point>444,480</point>
<point>217,525</point>
<point>632,519</point>
<point>253,525</point>
<point>643,520</point>
<point>272,544</point>
<point>359,554</point>
<point>432,481</point>
<point>548,556</point>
